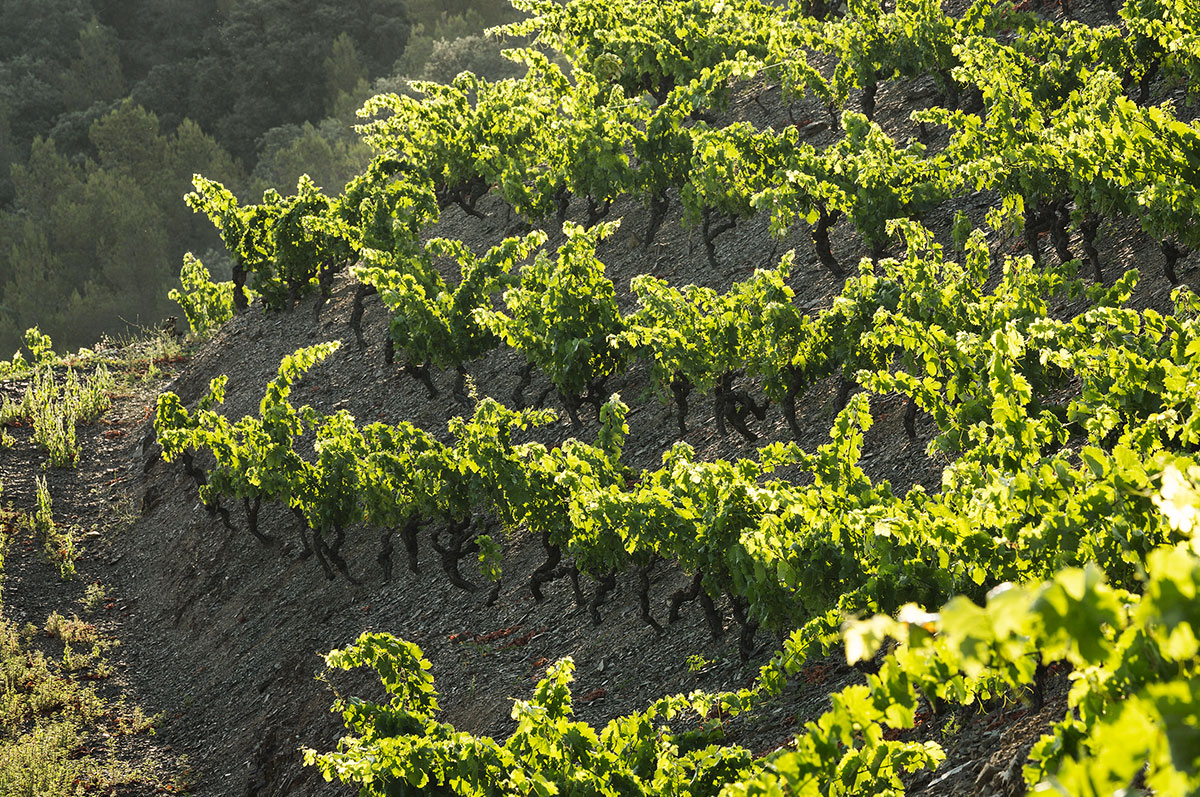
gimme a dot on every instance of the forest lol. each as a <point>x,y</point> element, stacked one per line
<point>108,107</point>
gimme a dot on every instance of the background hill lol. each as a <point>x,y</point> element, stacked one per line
<point>107,109</point>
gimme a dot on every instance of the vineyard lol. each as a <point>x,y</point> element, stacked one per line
<point>748,400</point>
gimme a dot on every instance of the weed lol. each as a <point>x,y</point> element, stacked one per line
<point>52,720</point>
<point>58,543</point>
<point>161,348</point>
<point>71,632</point>
<point>951,728</point>
<point>137,359</point>
<point>55,433</point>
<point>37,762</point>
<point>42,521</point>
<point>95,595</point>
<point>90,663</point>
<point>120,514</point>
<point>10,411</point>
<point>55,408</point>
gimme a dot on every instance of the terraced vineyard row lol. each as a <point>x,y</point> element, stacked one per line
<point>1068,442</point>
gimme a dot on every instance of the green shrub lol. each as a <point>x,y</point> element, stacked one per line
<point>206,304</point>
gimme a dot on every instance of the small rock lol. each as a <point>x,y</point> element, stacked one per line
<point>925,93</point>
<point>813,128</point>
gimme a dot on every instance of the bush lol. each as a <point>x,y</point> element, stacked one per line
<point>206,304</point>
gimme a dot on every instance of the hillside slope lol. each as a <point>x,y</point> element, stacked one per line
<point>223,633</point>
<point>228,630</point>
